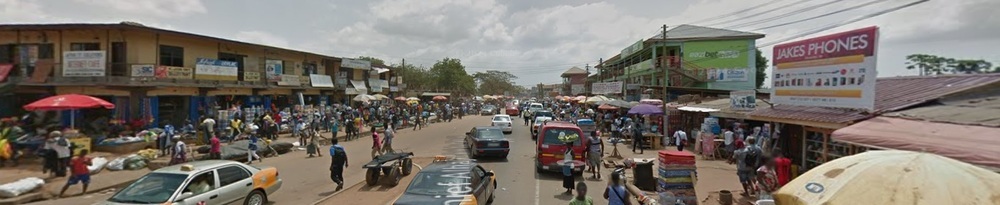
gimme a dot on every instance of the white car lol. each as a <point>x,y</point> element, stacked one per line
<point>503,121</point>
<point>537,125</point>
<point>201,182</point>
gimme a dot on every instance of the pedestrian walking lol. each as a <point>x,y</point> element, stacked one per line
<point>215,151</point>
<point>208,124</point>
<point>680,138</point>
<point>376,144</point>
<point>334,127</point>
<point>80,173</point>
<point>338,157</point>
<point>252,150</point>
<point>180,152</point>
<point>637,138</point>
<point>387,142</point>
<point>616,193</point>
<point>595,153</point>
<point>581,195</point>
<point>747,161</point>
<point>56,142</point>
<point>567,170</point>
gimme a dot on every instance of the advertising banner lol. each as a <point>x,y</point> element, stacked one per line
<point>289,80</point>
<point>143,70</point>
<point>251,76</point>
<point>576,89</point>
<point>635,47</point>
<point>356,64</point>
<point>170,72</point>
<point>213,69</point>
<point>836,70</point>
<point>273,69</point>
<point>743,100</point>
<point>321,81</point>
<point>83,63</point>
<point>723,61</point>
<point>606,88</point>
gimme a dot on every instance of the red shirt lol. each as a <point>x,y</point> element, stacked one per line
<point>783,168</point>
<point>216,147</point>
<point>79,165</point>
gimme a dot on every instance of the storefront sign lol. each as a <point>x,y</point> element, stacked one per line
<point>724,61</point>
<point>213,69</point>
<point>635,47</point>
<point>305,80</point>
<point>393,89</point>
<point>606,88</point>
<point>170,72</point>
<point>356,64</point>
<point>321,81</point>
<point>576,89</point>
<point>289,80</point>
<point>83,63</point>
<point>836,70</point>
<point>251,76</point>
<point>376,84</point>
<point>143,70</point>
<point>274,69</point>
<point>743,100</point>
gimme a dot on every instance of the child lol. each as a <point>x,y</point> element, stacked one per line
<point>376,144</point>
<point>80,172</point>
<point>581,195</point>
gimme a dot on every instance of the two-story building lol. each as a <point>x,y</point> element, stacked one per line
<point>159,74</point>
<point>688,56</point>
<point>574,80</point>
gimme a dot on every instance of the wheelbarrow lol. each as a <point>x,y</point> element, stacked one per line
<point>389,167</point>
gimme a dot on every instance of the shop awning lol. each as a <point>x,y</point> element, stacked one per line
<point>321,81</point>
<point>977,145</point>
<point>697,109</point>
<point>436,94</point>
<point>359,86</point>
<point>380,70</point>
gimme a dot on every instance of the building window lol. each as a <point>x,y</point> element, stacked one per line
<point>171,56</point>
<point>85,46</point>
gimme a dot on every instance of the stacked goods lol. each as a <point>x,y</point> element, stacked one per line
<point>677,176</point>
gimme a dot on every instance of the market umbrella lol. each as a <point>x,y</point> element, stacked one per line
<point>597,99</point>
<point>439,98</point>
<point>893,177</point>
<point>619,103</point>
<point>412,99</point>
<point>580,98</point>
<point>380,97</point>
<point>69,102</point>
<point>364,98</point>
<point>651,101</point>
<point>646,109</point>
<point>400,98</point>
<point>607,107</point>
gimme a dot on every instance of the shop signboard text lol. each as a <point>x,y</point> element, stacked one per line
<point>836,70</point>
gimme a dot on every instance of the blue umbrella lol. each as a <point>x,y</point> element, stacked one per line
<point>646,109</point>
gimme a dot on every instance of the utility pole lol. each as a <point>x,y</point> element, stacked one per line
<point>586,79</point>
<point>664,65</point>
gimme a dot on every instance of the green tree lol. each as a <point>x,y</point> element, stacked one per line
<point>928,64</point>
<point>449,74</point>
<point>970,66</point>
<point>415,78</point>
<point>761,68</point>
<point>374,60</point>
<point>494,82</point>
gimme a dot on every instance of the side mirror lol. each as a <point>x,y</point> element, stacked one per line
<point>184,195</point>
<point>490,174</point>
<point>468,133</point>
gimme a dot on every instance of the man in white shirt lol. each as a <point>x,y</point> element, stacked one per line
<point>728,140</point>
<point>679,137</point>
<point>60,145</point>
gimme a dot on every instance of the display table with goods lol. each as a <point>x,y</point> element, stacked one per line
<point>677,177</point>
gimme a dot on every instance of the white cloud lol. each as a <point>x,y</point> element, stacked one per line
<point>157,8</point>
<point>23,11</point>
<point>261,37</point>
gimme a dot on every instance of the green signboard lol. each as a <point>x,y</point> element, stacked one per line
<point>720,60</point>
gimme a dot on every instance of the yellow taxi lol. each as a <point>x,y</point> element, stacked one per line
<point>202,182</point>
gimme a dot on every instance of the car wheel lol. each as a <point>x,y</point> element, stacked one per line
<point>371,177</point>
<point>256,197</point>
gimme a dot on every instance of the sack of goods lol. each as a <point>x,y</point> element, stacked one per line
<point>19,187</point>
<point>97,164</point>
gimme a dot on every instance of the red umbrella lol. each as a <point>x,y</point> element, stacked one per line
<point>606,107</point>
<point>400,98</point>
<point>440,98</point>
<point>68,102</point>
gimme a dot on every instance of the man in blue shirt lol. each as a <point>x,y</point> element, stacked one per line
<point>338,157</point>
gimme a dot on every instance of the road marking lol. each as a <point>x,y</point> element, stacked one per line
<point>536,191</point>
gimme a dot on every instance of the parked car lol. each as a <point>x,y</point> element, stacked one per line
<point>450,180</point>
<point>504,123</point>
<point>488,110</point>
<point>550,150</point>
<point>538,124</point>
<point>487,141</point>
<point>192,183</point>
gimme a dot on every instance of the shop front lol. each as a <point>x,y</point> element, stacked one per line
<point>803,132</point>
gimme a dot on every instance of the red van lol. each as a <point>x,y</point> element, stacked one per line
<point>549,149</point>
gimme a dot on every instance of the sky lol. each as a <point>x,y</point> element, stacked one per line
<point>534,40</point>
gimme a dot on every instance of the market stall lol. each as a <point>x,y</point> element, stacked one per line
<point>71,102</point>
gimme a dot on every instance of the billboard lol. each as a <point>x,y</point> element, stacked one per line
<point>170,72</point>
<point>83,63</point>
<point>606,88</point>
<point>743,100</point>
<point>144,70</point>
<point>356,64</point>
<point>836,70</point>
<point>274,69</point>
<point>577,89</point>
<point>722,61</point>
<point>213,69</point>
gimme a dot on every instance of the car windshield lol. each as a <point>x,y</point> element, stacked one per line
<point>438,184</point>
<point>490,133</point>
<point>488,107</point>
<point>501,118</point>
<point>152,188</point>
<point>540,120</point>
<point>544,113</point>
<point>552,136</point>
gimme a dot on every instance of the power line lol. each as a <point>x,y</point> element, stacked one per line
<point>791,13</point>
<point>710,19</point>
<point>823,15</point>
<point>835,25</point>
<point>759,13</point>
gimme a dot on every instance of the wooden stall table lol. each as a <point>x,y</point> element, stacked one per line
<point>652,140</point>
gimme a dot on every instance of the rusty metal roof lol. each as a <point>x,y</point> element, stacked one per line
<point>982,109</point>
<point>892,94</point>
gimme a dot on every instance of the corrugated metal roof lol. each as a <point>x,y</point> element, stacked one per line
<point>723,105</point>
<point>980,110</point>
<point>574,70</point>
<point>891,94</point>
<point>685,31</point>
